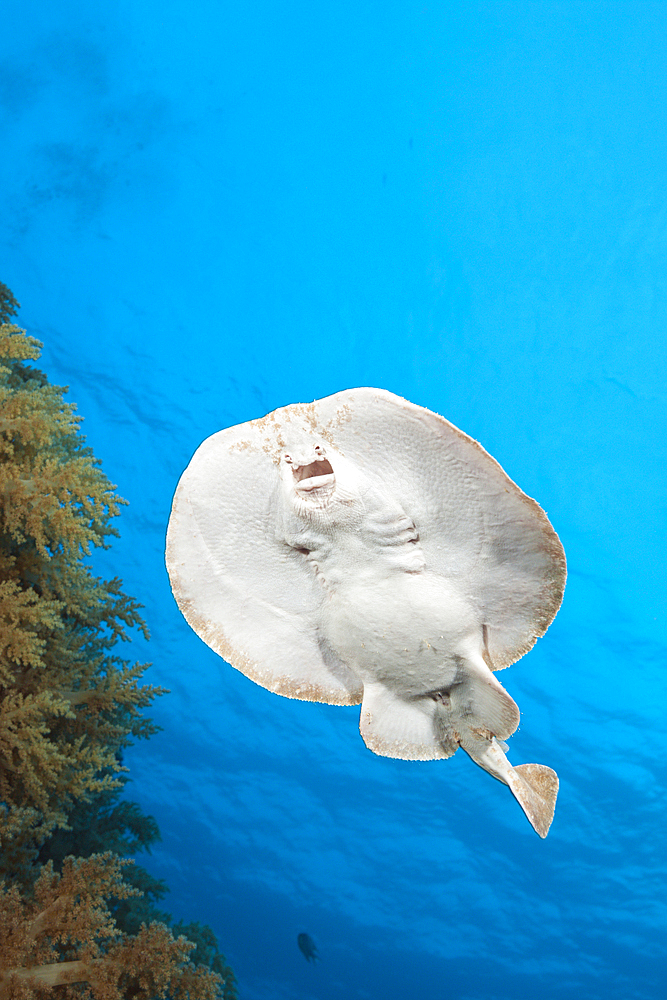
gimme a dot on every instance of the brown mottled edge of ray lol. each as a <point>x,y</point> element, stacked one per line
<point>216,639</point>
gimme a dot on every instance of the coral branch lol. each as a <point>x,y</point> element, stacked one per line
<point>55,974</point>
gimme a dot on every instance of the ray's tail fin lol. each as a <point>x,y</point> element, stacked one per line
<point>535,788</point>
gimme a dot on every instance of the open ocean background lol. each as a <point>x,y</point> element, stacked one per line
<point>214,208</point>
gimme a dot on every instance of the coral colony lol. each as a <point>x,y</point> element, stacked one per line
<point>68,706</point>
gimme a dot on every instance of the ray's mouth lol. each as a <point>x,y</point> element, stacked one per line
<point>314,476</point>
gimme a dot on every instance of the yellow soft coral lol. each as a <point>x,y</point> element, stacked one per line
<point>67,704</point>
<point>66,937</point>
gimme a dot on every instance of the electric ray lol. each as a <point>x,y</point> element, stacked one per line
<point>362,550</point>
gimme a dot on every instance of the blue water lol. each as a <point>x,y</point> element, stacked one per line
<point>212,209</point>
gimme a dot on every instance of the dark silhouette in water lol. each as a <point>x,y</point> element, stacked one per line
<point>308,947</point>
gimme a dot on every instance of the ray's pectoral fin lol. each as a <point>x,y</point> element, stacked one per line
<point>477,714</point>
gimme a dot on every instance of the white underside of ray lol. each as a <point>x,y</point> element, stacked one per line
<point>361,546</point>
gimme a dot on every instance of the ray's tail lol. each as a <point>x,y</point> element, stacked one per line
<point>481,714</point>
